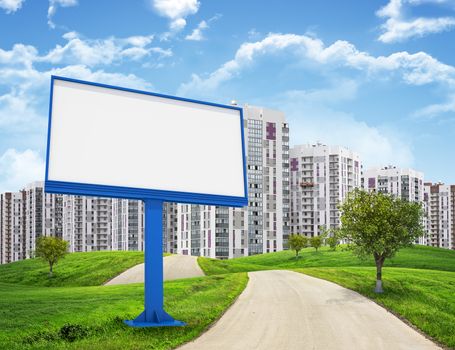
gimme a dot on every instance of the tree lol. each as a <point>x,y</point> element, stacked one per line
<point>316,242</point>
<point>297,243</point>
<point>378,224</point>
<point>51,249</point>
<point>333,238</point>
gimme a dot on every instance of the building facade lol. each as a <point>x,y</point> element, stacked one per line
<point>87,223</point>
<point>321,177</point>
<point>12,227</point>
<point>43,215</point>
<point>406,184</point>
<point>262,226</point>
<point>127,224</point>
<point>439,205</point>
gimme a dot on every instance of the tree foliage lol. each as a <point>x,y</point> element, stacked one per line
<point>316,241</point>
<point>333,238</point>
<point>378,224</point>
<point>297,243</point>
<point>51,249</point>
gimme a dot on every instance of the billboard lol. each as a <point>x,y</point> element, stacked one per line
<point>116,142</point>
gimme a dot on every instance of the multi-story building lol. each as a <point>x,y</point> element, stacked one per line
<point>404,183</point>
<point>87,223</point>
<point>439,200</point>
<point>262,226</point>
<point>12,226</point>
<point>127,224</point>
<point>321,177</point>
<point>43,215</point>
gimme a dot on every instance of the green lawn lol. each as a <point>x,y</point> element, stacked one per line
<point>33,317</point>
<point>425,298</point>
<point>419,282</point>
<point>76,269</point>
<point>417,257</point>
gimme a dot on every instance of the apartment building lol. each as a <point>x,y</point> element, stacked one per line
<point>321,177</point>
<point>127,224</point>
<point>439,204</point>
<point>262,226</point>
<point>401,182</point>
<point>43,215</point>
<point>87,223</point>
<point>12,227</point>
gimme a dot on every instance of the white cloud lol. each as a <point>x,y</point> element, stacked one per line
<point>435,110</point>
<point>416,69</point>
<point>397,28</point>
<point>11,6</point>
<point>88,52</point>
<point>52,10</point>
<point>19,168</point>
<point>196,34</point>
<point>313,120</point>
<point>176,11</point>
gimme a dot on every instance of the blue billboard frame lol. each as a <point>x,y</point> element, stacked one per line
<point>99,190</point>
<point>154,314</point>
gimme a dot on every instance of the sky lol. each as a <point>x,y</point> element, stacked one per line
<point>375,76</point>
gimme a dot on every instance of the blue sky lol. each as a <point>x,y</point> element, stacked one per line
<point>375,76</point>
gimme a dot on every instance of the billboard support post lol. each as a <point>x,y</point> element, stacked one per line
<point>153,314</point>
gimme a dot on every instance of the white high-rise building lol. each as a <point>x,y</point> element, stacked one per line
<point>127,224</point>
<point>87,223</point>
<point>12,227</point>
<point>404,183</point>
<point>263,226</point>
<point>321,177</point>
<point>439,200</point>
<point>43,215</point>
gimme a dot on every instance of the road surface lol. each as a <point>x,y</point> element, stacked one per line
<point>175,267</point>
<point>286,310</point>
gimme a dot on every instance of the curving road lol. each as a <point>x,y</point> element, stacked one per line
<point>286,310</point>
<point>175,267</point>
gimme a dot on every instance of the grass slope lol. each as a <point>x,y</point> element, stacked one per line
<point>32,318</point>
<point>423,297</point>
<point>417,257</point>
<point>419,282</point>
<point>76,269</point>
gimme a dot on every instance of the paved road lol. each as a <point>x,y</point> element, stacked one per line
<point>286,310</point>
<point>175,267</point>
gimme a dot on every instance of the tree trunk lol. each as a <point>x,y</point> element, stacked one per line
<point>50,269</point>
<point>379,263</point>
<point>296,253</point>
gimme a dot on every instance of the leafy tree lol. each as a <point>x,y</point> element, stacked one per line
<point>333,238</point>
<point>297,242</point>
<point>316,241</point>
<point>378,224</point>
<point>51,249</point>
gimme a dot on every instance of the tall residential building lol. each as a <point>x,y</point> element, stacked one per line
<point>43,215</point>
<point>263,226</point>
<point>87,223</point>
<point>404,183</point>
<point>127,224</point>
<point>321,177</point>
<point>12,227</point>
<point>439,207</point>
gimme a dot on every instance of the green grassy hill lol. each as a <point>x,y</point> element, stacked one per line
<point>419,282</point>
<point>78,313</point>
<point>417,257</point>
<point>76,269</point>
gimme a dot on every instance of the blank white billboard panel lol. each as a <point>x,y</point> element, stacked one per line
<point>110,136</point>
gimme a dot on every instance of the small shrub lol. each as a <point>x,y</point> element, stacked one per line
<point>72,332</point>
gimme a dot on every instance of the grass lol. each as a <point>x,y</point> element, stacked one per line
<point>425,298</point>
<point>76,269</point>
<point>35,317</point>
<point>418,257</point>
<point>419,282</point>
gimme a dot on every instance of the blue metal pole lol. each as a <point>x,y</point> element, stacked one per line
<point>153,314</point>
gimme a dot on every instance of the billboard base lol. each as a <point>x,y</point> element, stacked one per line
<point>153,314</point>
